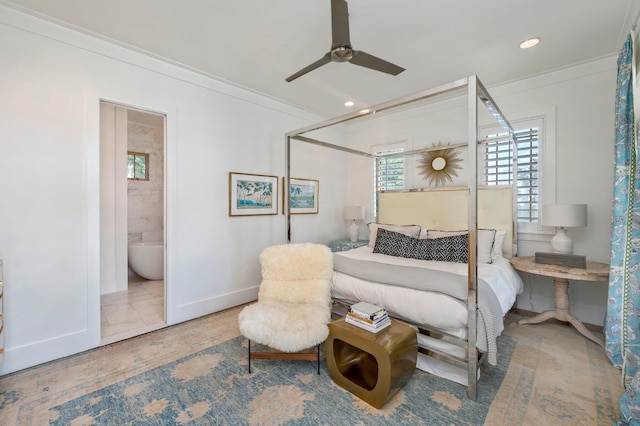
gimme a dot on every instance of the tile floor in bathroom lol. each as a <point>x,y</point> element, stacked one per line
<point>130,313</point>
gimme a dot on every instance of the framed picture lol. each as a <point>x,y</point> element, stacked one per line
<point>303,196</point>
<point>251,195</point>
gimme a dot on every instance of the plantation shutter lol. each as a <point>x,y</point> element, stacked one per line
<point>390,170</point>
<point>498,169</point>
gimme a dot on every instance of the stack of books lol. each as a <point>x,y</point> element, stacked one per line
<point>370,317</point>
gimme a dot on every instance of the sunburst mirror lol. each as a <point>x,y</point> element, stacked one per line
<point>439,166</point>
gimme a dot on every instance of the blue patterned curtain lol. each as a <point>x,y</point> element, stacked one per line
<point>622,324</point>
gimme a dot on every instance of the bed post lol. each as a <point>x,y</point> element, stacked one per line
<point>472,351</point>
<point>285,187</point>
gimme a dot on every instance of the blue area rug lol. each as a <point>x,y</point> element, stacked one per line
<point>213,387</point>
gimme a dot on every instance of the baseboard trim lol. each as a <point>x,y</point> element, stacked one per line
<point>36,353</point>
<point>198,308</point>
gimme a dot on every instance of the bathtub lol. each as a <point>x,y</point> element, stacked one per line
<point>147,259</point>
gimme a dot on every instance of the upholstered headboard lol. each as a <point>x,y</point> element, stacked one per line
<point>447,209</point>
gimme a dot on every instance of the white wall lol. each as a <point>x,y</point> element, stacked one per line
<point>53,80</point>
<point>581,100</point>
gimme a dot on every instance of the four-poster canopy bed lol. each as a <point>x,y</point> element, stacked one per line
<point>457,306</point>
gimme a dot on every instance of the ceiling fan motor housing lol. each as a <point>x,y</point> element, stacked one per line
<point>342,54</point>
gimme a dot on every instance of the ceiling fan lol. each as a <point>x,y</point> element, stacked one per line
<point>341,49</point>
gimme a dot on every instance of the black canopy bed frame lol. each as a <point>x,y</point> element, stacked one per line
<point>475,94</point>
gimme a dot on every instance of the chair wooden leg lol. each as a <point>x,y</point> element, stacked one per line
<point>303,356</point>
<point>300,356</point>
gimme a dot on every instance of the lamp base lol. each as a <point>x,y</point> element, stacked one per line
<point>353,232</point>
<point>562,243</point>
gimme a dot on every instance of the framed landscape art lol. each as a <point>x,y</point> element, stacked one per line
<point>303,196</point>
<point>251,195</point>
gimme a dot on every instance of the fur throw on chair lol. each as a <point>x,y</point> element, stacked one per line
<point>294,300</point>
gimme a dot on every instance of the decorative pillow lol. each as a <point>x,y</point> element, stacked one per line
<point>393,243</point>
<point>411,230</point>
<point>450,249</point>
<point>486,239</point>
<point>497,244</point>
<point>421,249</point>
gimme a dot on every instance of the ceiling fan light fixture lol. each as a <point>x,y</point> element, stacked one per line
<point>530,42</point>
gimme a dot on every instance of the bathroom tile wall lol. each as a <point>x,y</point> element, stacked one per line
<point>145,199</point>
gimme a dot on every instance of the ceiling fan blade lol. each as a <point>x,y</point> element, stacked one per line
<point>369,61</point>
<point>317,64</point>
<point>339,24</point>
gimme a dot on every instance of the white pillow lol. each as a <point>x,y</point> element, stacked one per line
<point>486,238</point>
<point>497,244</point>
<point>410,230</point>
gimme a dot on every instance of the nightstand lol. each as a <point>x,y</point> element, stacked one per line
<point>346,244</point>
<point>595,271</point>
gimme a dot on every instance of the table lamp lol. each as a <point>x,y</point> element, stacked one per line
<point>563,216</point>
<point>353,213</point>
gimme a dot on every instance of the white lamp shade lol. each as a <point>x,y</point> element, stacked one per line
<point>354,213</point>
<point>564,215</point>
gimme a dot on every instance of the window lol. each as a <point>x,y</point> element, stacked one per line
<point>498,166</point>
<point>389,170</point>
<point>137,166</point>
<point>389,167</point>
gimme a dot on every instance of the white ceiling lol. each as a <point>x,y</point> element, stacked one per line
<point>258,43</point>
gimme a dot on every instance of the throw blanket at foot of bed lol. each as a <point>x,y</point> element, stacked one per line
<point>426,278</point>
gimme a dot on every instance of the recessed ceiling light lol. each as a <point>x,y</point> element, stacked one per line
<point>349,103</point>
<point>530,42</point>
<point>364,111</point>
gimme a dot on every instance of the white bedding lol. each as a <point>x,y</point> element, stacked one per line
<point>433,309</point>
<point>440,311</point>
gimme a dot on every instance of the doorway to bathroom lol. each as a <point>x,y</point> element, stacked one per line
<point>132,222</point>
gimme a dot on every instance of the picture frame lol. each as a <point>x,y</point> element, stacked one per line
<point>252,194</point>
<point>303,196</point>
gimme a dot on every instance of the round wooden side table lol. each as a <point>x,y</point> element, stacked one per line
<point>595,271</point>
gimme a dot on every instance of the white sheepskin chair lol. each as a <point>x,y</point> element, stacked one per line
<point>294,302</point>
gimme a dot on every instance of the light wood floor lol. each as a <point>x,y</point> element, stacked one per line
<point>130,313</point>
